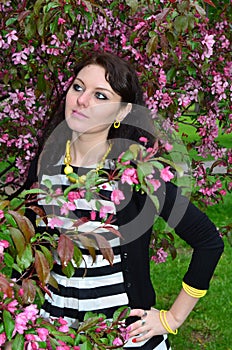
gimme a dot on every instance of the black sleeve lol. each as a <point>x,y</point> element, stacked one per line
<point>194,227</point>
<point>31,179</point>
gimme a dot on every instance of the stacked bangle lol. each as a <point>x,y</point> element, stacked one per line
<point>193,292</point>
<point>164,322</point>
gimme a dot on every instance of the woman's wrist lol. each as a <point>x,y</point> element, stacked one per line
<point>168,322</point>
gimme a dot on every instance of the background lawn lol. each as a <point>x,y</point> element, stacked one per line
<point>209,324</point>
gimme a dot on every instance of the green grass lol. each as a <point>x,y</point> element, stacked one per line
<point>209,324</point>
<point>224,140</point>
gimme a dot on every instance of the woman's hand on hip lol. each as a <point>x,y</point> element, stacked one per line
<point>149,324</point>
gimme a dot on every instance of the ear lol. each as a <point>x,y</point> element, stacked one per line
<point>124,111</point>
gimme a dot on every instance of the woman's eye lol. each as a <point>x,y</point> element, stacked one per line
<point>77,87</point>
<point>101,96</point>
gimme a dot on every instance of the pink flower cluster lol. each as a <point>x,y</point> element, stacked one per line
<point>160,256</point>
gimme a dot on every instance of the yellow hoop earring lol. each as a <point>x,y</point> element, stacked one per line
<point>116,124</point>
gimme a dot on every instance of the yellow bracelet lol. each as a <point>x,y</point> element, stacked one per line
<point>164,322</point>
<point>193,292</point>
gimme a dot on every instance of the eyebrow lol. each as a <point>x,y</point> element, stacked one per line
<point>97,88</point>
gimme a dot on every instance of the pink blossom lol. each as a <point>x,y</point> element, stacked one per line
<point>64,210</point>
<point>117,196</point>
<point>2,338</point>
<point>93,215</point>
<point>43,333</point>
<point>63,329</point>
<point>208,42</point>
<point>155,183</point>
<point>19,58</point>
<point>11,36</point>
<point>62,321</point>
<point>1,214</point>
<point>166,175</point>
<point>162,78</point>
<point>61,21</point>
<point>3,244</point>
<point>58,191</point>
<point>69,33</point>
<point>11,307</point>
<point>168,147</point>
<point>143,139</point>
<point>160,256</point>
<point>104,210</point>
<point>222,192</point>
<point>55,222</point>
<point>117,342</point>
<point>129,176</point>
<point>72,196</point>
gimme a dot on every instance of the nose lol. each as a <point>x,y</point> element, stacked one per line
<point>83,99</point>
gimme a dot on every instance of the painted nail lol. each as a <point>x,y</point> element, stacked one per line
<point>134,340</point>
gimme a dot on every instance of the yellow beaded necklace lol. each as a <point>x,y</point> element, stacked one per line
<point>68,170</point>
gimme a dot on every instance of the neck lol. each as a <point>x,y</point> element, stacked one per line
<point>87,150</point>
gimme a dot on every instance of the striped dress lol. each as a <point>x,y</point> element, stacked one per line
<point>95,286</point>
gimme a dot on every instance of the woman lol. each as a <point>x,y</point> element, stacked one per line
<point>104,94</point>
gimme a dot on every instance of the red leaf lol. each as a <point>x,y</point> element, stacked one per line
<point>18,238</point>
<point>109,219</point>
<point>105,248</point>
<point>209,2</point>
<point>24,225</point>
<point>113,230</point>
<point>81,221</point>
<point>65,249</point>
<point>40,212</point>
<point>42,267</point>
<point>5,286</point>
<point>29,289</point>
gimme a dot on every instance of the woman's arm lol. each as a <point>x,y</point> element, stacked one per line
<point>150,323</point>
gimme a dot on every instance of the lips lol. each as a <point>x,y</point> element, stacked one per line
<point>77,114</point>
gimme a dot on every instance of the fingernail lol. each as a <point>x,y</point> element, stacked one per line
<point>134,340</point>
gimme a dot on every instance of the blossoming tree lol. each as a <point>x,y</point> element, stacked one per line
<point>181,50</point>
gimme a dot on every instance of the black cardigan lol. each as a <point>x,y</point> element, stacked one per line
<point>135,220</point>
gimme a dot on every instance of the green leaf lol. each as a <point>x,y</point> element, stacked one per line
<point>37,6</point>
<point>86,345</point>
<point>9,324</point>
<point>8,259</point>
<point>171,74</point>
<point>54,25</point>
<point>77,256</point>
<point>144,169</point>
<point>11,21</point>
<point>30,28</point>
<point>48,255</point>
<point>40,26</point>
<point>152,44</point>
<point>18,343</point>
<point>68,270</point>
<point>128,155</point>
<point>33,191</point>
<point>47,183</point>
<point>11,220</point>
<point>135,150</point>
<point>88,323</point>
<point>25,258</point>
<point>155,200</point>
<point>121,313</point>
<point>181,24</point>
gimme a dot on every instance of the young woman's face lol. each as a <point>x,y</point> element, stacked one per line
<point>91,104</point>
